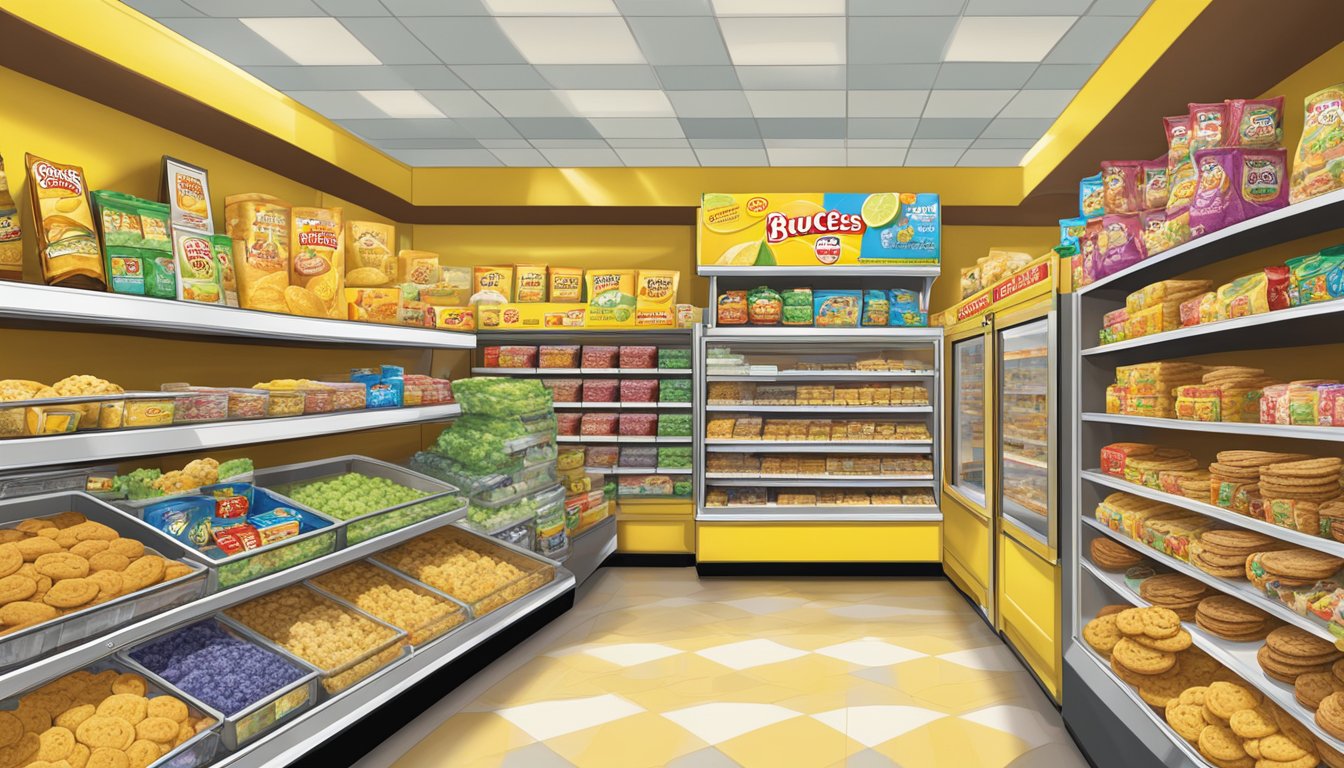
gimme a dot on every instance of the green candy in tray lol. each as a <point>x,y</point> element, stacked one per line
<point>499,396</point>
<point>674,391</point>
<point>674,425</point>
<point>674,357</point>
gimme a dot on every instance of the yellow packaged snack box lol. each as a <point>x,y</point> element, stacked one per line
<point>656,297</point>
<point>492,280</point>
<point>455,318</point>
<point>566,285</point>
<point>370,258</point>
<point>316,263</point>
<point>419,267</point>
<point>259,226</point>
<point>373,305</point>
<point>529,282</point>
<point>611,296</point>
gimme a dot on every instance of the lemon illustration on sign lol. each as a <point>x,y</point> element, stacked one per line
<point>742,254</point>
<point>880,209</point>
<point>764,256</point>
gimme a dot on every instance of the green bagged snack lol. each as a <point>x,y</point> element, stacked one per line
<point>797,306</point>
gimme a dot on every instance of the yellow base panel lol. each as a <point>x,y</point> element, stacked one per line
<point>818,542</point>
<point>966,543</point>
<point>1029,610</point>
<point>655,527</point>
<point>961,576</point>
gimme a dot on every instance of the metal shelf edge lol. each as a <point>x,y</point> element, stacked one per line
<point>1331,434</point>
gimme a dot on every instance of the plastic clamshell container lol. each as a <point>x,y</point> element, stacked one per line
<point>198,405</point>
<point>536,572</point>
<point>319,536</point>
<point>200,750</point>
<point>247,403</point>
<point>500,521</point>
<point>318,399</point>
<point>347,395</point>
<point>285,402</point>
<point>258,717</point>
<point>454,614</point>
<point>490,487</point>
<point>523,535</point>
<point>24,645</point>
<point>441,497</point>
<point>77,480</point>
<point>381,654</point>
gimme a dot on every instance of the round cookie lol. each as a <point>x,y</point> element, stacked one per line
<point>131,683</point>
<point>90,529</point>
<point>35,719</point>
<point>24,613</point>
<point>1157,623</point>
<point>144,571</point>
<point>48,699</point>
<point>87,549</point>
<point>1144,661</point>
<point>1282,749</point>
<point>79,756</point>
<point>158,729</point>
<point>55,743</point>
<point>1159,690</point>
<point>72,717</point>
<point>170,707</point>
<point>35,547</point>
<point>11,728</point>
<point>62,565</point>
<point>1223,699</point>
<point>16,587</point>
<point>1310,688</point>
<point>142,753</point>
<point>1186,719</point>
<point>128,706</point>
<point>1175,644</point>
<point>104,731</point>
<point>1253,723</point>
<point>71,593</point>
<point>106,757</point>
<point>1330,756</point>
<point>11,558</point>
<point>1330,715</point>
<point>1102,634</point>
<point>108,561</point>
<point>130,548</point>
<point>22,751</point>
<point>1220,743</point>
<point>174,570</point>
<point>109,584</point>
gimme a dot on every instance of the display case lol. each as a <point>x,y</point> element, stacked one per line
<point>968,417</point>
<point>1026,383</point>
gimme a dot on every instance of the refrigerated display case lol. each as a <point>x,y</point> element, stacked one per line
<point>968,531</point>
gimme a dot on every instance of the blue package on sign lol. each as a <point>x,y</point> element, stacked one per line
<point>905,309</point>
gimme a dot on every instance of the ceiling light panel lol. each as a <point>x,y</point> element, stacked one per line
<point>1006,38</point>
<point>402,104</point>
<point>792,41</point>
<point>572,40</point>
<point>312,41</point>
<point>779,7</point>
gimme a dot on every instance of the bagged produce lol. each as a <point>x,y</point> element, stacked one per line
<point>1318,166</point>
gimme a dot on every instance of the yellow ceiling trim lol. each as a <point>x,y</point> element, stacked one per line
<point>1151,36</point>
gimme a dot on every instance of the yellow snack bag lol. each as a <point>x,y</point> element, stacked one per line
<point>656,296</point>
<point>494,280</point>
<point>259,226</point>
<point>566,285</point>
<point>369,260</point>
<point>611,296</point>
<point>419,267</point>
<point>529,283</point>
<point>316,262</point>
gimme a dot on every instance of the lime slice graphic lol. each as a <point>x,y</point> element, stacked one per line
<point>716,200</point>
<point>880,209</point>
<point>764,256</point>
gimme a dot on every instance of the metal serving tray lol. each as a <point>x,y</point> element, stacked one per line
<point>259,716</point>
<point>456,614</point>
<point>282,480</point>
<point>25,645</point>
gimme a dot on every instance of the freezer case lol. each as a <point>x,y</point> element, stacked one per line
<point>968,540</point>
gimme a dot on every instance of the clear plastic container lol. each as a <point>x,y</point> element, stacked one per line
<point>523,535</point>
<point>348,396</point>
<point>638,357</point>
<point>599,424</point>
<point>318,399</point>
<point>600,390</point>
<point>441,559</point>
<point>424,614</point>
<point>248,403</point>
<point>285,402</point>
<point>490,487</point>
<point>492,516</point>
<point>197,405</point>
<point>639,390</point>
<point>150,411</point>
<point>552,537</point>
<point>638,424</point>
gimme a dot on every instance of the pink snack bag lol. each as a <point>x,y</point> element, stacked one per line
<point>1207,125</point>
<point>1124,242</point>
<point>1264,181</point>
<point>1180,170</point>
<point>1255,122</point>
<point>1154,230</point>
<point>1089,249</point>
<point>1153,182</point>
<point>1216,203</point>
<point>1120,182</point>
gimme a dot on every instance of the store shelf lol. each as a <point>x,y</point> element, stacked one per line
<point>828,481</point>
<point>1309,217</point>
<point>1331,434</point>
<point>1023,460</point>
<point>823,376</point>
<point>1318,323</point>
<point>638,470</point>
<point>1238,657</point>
<point>811,333</point>
<point>589,549</point>
<point>581,371</point>
<point>16,681</point>
<point>751,408</point>
<point>78,447</point>
<point>835,270</point>
<point>288,743</point>
<point>1299,538</point>
<point>1242,590</point>
<point>770,513</point>
<point>819,446</point>
<point>620,439</point>
<point>636,406</point>
<point>46,305</point>
<point>1030,392</point>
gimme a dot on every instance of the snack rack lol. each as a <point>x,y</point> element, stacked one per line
<point>864,515</point>
<point>1114,725</point>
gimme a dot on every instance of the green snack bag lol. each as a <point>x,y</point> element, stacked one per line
<point>118,217</point>
<point>797,306</point>
<point>154,225</point>
<point>126,269</point>
<point>160,274</point>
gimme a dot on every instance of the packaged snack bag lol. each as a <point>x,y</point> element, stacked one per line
<point>566,285</point>
<point>1089,249</point>
<point>1215,204</point>
<point>1091,199</point>
<point>67,240</point>
<point>222,248</point>
<point>259,226</point>
<point>1069,232</point>
<point>1153,183</point>
<point>1124,242</point>
<point>1120,186</point>
<point>906,309</point>
<point>1207,125</point>
<point>733,308</point>
<point>11,232</point>
<point>611,295</point>
<point>1263,176</point>
<point>316,262</point>
<point>1318,166</point>
<point>1154,230</point>
<point>836,309</point>
<point>797,306</point>
<point>1255,122</point>
<point>370,254</point>
<point>125,266</point>
<point>764,306</point>
<point>1254,294</point>
<point>154,226</point>
<point>656,296</point>
<point>1318,277</point>
<point>197,271</point>
<point>876,308</point>
<point>118,218</point>
<point>1190,314</point>
<point>529,283</point>
<point>1180,168</point>
<point>422,268</point>
<point>496,282</point>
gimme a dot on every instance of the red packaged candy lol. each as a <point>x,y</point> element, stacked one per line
<point>639,424</point>
<point>600,390</point>
<point>639,357</point>
<point>639,390</point>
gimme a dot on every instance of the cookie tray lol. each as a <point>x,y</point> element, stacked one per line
<point>338,679</point>
<point>259,716</point>
<point>25,645</point>
<point>454,616</point>
<point>200,750</point>
<point>442,498</point>
<point>537,571</point>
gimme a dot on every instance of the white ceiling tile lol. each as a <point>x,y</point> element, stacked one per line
<point>581,158</point>
<point>992,157</point>
<point>509,77</point>
<point>656,143</point>
<point>793,41</point>
<point>554,128</point>
<point>436,7</point>
<point>428,144</point>
<point>940,143</point>
<point>295,78</point>
<point>572,40</point>
<point>442,157</point>
<point>391,42</point>
<point>528,103</point>
<point>779,7</point>
<point>710,103</point>
<point>415,128</point>
<point>465,39</point>
<point>732,157</point>
<point>882,77</point>
<point>1038,104</point>
<point>163,9</point>
<point>804,143</point>
<point>1023,144</point>
<point>966,103</point>
<point>600,103</point>
<point>1090,40</point>
<point>320,41</point>
<point>664,7</point>
<point>719,128</point>
<point>506,143</point>
<point>796,103</point>
<point>460,103</point>
<point>337,105</point>
<point>1061,76</point>
<point>521,158</point>
<point>957,75</point>
<point>904,7</point>
<point>727,143</point>
<point>1017,128</point>
<point>819,128</point>
<point>230,39</point>
<point>904,40</point>
<point>636,158</point>
<point>877,143</point>
<point>926,157</point>
<point>791,78</point>
<point>697,78</point>
<point>872,156</point>
<point>881,128</point>
<point>687,40</point>
<point>1130,8</point>
<point>570,143</point>
<point>599,76</point>
<point>1006,38</point>
<point>551,7</point>
<point>402,104</point>
<point>354,7</point>
<point>887,103</point>
<point>238,9</point>
<point>488,128</point>
<point>1026,7</point>
<point>822,158</point>
<point>950,127</point>
<point>638,127</point>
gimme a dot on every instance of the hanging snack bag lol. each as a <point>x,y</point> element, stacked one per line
<point>656,296</point>
<point>1120,186</point>
<point>764,306</point>
<point>732,308</point>
<point>1069,232</point>
<point>529,283</point>
<point>566,285</point>
<point>197,272</point>
<point>797,306</point>
<point>1255,122</point>
<point>67,242</point>
<point>370,254</point>
<point>1091,197</point>
<point>1318,166</point>
<point>222,248</point>
<point>1318,277</point>
<point>876,308</point>
<point>316,263</point>
<point>1153,183</point>
<point>1124,242</point>
<point>492,283</point>
<point>259,226</point>
<point>1215,202</point>
<point>1263,180</point>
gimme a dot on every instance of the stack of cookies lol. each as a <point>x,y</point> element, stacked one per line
<point>1231,619</point>
<point>1330,519</point>
<point>1113,556</point>
<point>1233,726</point>
<point>1330,757</point>
<point>1148,646</point>
<point>1175,592</point>
<point>1330,715</point>
<point>1311,688</point>
<point>1307,480</point>
<point>1241,469</point>
<point>1289,652</point>
<point>1190,483</point>
<point>1223,552</point>
<point>1291,567</point>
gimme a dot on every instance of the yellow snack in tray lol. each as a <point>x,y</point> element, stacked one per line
<point>73,386</point>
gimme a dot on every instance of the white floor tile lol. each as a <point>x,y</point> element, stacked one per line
<point>870,652</point>
<point>630,654</point>
<point>750,653</point>
<point>719,722</point>
<point>1026,724</point>
<point>991,658</point>
<point>762,606</point>
<point>548,719</point>
<point>878,723</point>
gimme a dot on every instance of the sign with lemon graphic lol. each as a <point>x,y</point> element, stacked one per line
<point>819,229</point>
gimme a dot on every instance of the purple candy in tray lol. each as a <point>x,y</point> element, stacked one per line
<point>225,672</point>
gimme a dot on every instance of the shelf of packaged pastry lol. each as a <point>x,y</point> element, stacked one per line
<point>1306,323</point>
<point>640,470</point>
<point>608,406</point>
<point>48,304</point>
<point>485,371</point>
<point>818,446</point>
<point>1298,432</point>
<point>821,375</point>
<point>645,439</point>
<point>755,408</point>
<point>854,481</point>
<point>1240,658</point>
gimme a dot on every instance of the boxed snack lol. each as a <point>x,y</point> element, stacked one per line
<point>567,422</point>
<point>517,356</point>
<point>836,309</point>
<point>494,283</point>
<point>600,390</point>
<point>905,309</point>
<point>1115,456</point>
<point>566,285</point>
<point>565,390</point>
<point>639,424</point>
<point>558,356</point>
<point>598,424</point>
<point>644,357</point>
<point>595,356</point>
<point>639,456</point>
<point>611,296</point>
<point>732,308</point>
<point>674,425</point>
<point>677,358</point>
<point>639,390</point>
<point>645,485</point>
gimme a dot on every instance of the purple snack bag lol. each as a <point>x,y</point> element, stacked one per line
<point>1264,187</point>
<point>1216,203</point>
<point>1124,242</point>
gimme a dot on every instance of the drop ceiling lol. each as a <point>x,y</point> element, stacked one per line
<point>588,83</point>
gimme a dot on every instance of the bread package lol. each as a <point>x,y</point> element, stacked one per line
<point>259,226</point>
<point>316,263</point>
<point>67,242</point>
